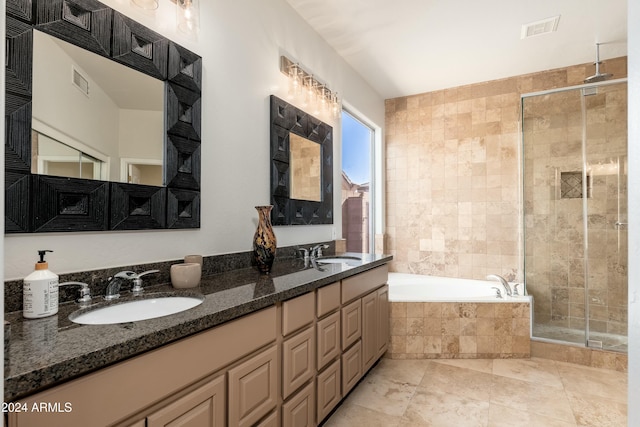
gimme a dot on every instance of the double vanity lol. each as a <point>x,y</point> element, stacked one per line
<point>269,350</point>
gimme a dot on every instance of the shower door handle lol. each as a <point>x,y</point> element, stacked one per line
<point>619,224</point>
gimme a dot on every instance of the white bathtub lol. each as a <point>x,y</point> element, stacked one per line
<point>405,287</point>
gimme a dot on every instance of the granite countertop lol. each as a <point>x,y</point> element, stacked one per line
<point>48,351</point>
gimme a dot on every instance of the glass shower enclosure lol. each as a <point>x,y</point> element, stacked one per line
<point>575,213</point>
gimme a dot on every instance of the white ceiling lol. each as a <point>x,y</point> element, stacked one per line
<point>405,47</point>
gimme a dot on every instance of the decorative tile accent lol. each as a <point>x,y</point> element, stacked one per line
<point>571,185</point>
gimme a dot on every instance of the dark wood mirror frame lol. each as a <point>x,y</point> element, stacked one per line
<point>41,203</point>
<point>286,119</point>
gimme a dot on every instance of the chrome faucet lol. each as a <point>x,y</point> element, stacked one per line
<point>85,292</point>
<point>505,284</point>
<point>113,288</point>
<point>316,251</point>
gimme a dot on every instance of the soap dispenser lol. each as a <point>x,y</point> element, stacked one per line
<point>40,291</point>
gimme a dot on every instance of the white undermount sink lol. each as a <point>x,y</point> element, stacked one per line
<point>134,310</point>
<point>340,259</point>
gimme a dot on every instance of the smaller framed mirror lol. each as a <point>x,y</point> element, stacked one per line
<point>301,167</point>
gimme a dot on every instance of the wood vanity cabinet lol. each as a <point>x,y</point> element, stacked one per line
<point>186,378</point>
<point>365,335</point>
<point>288,365</point>
<point>205,406</point>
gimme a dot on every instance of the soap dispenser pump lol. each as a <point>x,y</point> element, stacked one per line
<point>40,291</point>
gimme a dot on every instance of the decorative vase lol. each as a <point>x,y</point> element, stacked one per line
<point>264,240</point>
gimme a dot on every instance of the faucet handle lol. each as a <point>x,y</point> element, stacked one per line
<point>85,292</point>
<point>515,289</point>
<point>305,252</point>
<point>137,288</point>
<point>498,293</point>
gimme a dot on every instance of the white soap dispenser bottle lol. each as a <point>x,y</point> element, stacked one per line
<point>40,291</point>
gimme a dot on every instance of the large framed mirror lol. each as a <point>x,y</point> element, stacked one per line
<point>301,167</point>
<point>102,122</point>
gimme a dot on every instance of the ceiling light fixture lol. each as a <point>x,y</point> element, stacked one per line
<point>314,95</point>
<point>187,16</point>
<point>146,4</point>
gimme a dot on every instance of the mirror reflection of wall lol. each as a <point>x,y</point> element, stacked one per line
<point>96,106</point>
<point>53,157</point>
<point>305,166</point>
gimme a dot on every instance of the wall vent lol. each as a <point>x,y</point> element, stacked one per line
<point>80,81</point>
<point>537,28</point>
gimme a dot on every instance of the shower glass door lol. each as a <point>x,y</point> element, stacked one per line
<point>605,163</point>
<point>574,145</point>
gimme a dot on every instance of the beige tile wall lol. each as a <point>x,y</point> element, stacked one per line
<point>448,330</point>
<point>580,356</point>
<point>452,166</point>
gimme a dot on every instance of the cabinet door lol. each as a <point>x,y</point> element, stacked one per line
<point>351,323</point>
<point>351,367</point>
<point>272,420</point>
<point>369,330</point>
<point>253,388</point>
<point>383,319</point>
<point>328,390</point>
<point>300,410</point>
<point>203,407</point>
<point>298,361</point>
<point>328,339</point>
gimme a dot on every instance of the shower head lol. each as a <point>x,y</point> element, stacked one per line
<point>598,76</point>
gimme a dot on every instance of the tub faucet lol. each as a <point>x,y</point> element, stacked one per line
<point>505,284</point>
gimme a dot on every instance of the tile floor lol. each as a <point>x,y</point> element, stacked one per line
<point>481,392</point>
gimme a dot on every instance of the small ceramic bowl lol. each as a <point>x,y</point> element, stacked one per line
<point>193,258</point>
<point>186,275</point>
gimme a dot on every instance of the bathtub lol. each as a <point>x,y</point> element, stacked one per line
<point>440,317</point>
<point>404,287</point>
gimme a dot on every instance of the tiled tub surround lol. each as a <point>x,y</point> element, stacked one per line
<point>48,351</point>
<point>452,330</point>
<point>447,318</point>
<point>452,168</point>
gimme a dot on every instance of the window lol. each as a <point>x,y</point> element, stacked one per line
<point>357,176</point>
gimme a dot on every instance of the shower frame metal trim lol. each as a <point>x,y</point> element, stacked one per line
<point>523,96</point>
<point>570,88</point>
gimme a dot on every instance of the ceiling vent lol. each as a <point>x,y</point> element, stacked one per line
<point>79,81</point>
<point>545,26</point>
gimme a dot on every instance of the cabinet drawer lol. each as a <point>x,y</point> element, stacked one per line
<point>203,407</point>
<point>360,284</point>
<point>328,339</point>
<point>300,410</point>
<point>297,312</point>
<point>351,323</point>
<point>328,390</point>
<point>351,367</point>
<point>298,361</point>
<point>328,299</point>
<point>253,390</point>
